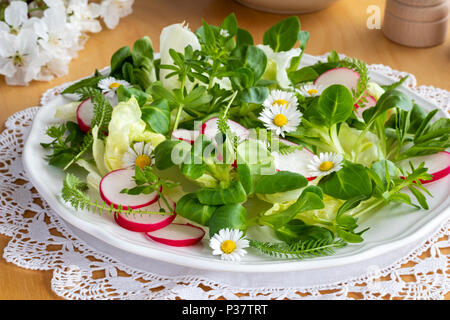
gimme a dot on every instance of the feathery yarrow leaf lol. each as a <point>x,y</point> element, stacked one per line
<point>299,250</point>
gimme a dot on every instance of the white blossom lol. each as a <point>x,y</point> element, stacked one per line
<point>38,44</point>
<point>112,10</point>
<point>20,60</point>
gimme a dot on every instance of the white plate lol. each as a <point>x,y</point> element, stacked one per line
<point>390,228</point>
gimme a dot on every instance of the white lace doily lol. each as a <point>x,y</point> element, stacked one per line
<point>87,268</point>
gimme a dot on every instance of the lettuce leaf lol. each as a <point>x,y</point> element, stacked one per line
<point>68,111</point>
<point>126,127</point>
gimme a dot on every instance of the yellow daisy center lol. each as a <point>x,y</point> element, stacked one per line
<point>312,92</point>
<point>228,246</point>
<point>142,161</point>
<point>114,85</point>
<point>281,102</point>
<point>280,120</point>
<point>326,166</point>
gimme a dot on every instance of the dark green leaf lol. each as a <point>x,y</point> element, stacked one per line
<point>158,91</point>
<point>389,99</point>
<point>190,208</point>
<point>384,171</point>
<point>124,94</point>
<point>420,197</point>
<point>243,37</point>
<point>251,57</point>
<point>438,129</point>
<point>296,230</point>
<point>335,104</point>
<point>303,37</point>
<point>350,204</point>
<point>234,193</point>
<point>254,95</point>
<point>230,24</point>
<point>333,56</point>
<point>118,59</point>
<point>193,170</point>
<point>198,96</point>
<point>279,182</point>
<point>349,236</point>
<point>157,116</point>
<point>232,216</point>
<point>142,47</point>
<point>245,177</point>
<point>163,153</point>
<point>89,82</point>
<point>305,74</point>
<point>349,182</point>
<point>283,35</point>
<point>311,198</point>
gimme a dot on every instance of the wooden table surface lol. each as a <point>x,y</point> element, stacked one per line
<point>341,27</point>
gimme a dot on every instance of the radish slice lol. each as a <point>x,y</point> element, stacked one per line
<point>85,114</point>
<point>177,235</point>
<point>146,222</point>
<point>185,135</point>
<point>117,180</point>
<point>210,129</point>
<point>296,161</point>
<point>371,102</point>
<point>344,76</point>
<point>438,165</point>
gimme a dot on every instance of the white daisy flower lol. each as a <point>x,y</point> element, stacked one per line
<point>310,90</point>
<point>109,85</point>
<point>280,119</point>
<point>325,164</point>
<point>281,98</point>
<point>230,244</point>
<point>139,155</point>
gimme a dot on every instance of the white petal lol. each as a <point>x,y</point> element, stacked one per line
<point>7,44</point>
<point>16,13</point>
<point>177,37</point>
<point>6,67</point>
<point>26,42</point>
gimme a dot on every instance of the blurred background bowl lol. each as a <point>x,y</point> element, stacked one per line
<point>287,6</point>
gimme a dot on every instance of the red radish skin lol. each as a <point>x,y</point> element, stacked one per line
<point>210,129</point>
<point>438,165</point>
<point>145,222</point>
<point>185,135</point>
<point>85,114</point>
<point>117,180</point>
<point>177,235</point>
<point>344,76</point>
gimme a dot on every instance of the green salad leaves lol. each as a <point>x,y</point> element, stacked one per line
<point>302,160</point>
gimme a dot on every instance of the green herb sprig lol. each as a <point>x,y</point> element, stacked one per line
<point>74,192</point>
<point>299,250</point>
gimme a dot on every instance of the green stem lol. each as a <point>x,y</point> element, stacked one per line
<point>393,149</point>
<point>213,74</point>
<point>374,205</point>
<point>335,140</point>
<point>101,207</point>
<point>177,118</point>
<point>161,196</point>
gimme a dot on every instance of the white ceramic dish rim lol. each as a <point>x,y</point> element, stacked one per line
<point>210,262</point>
